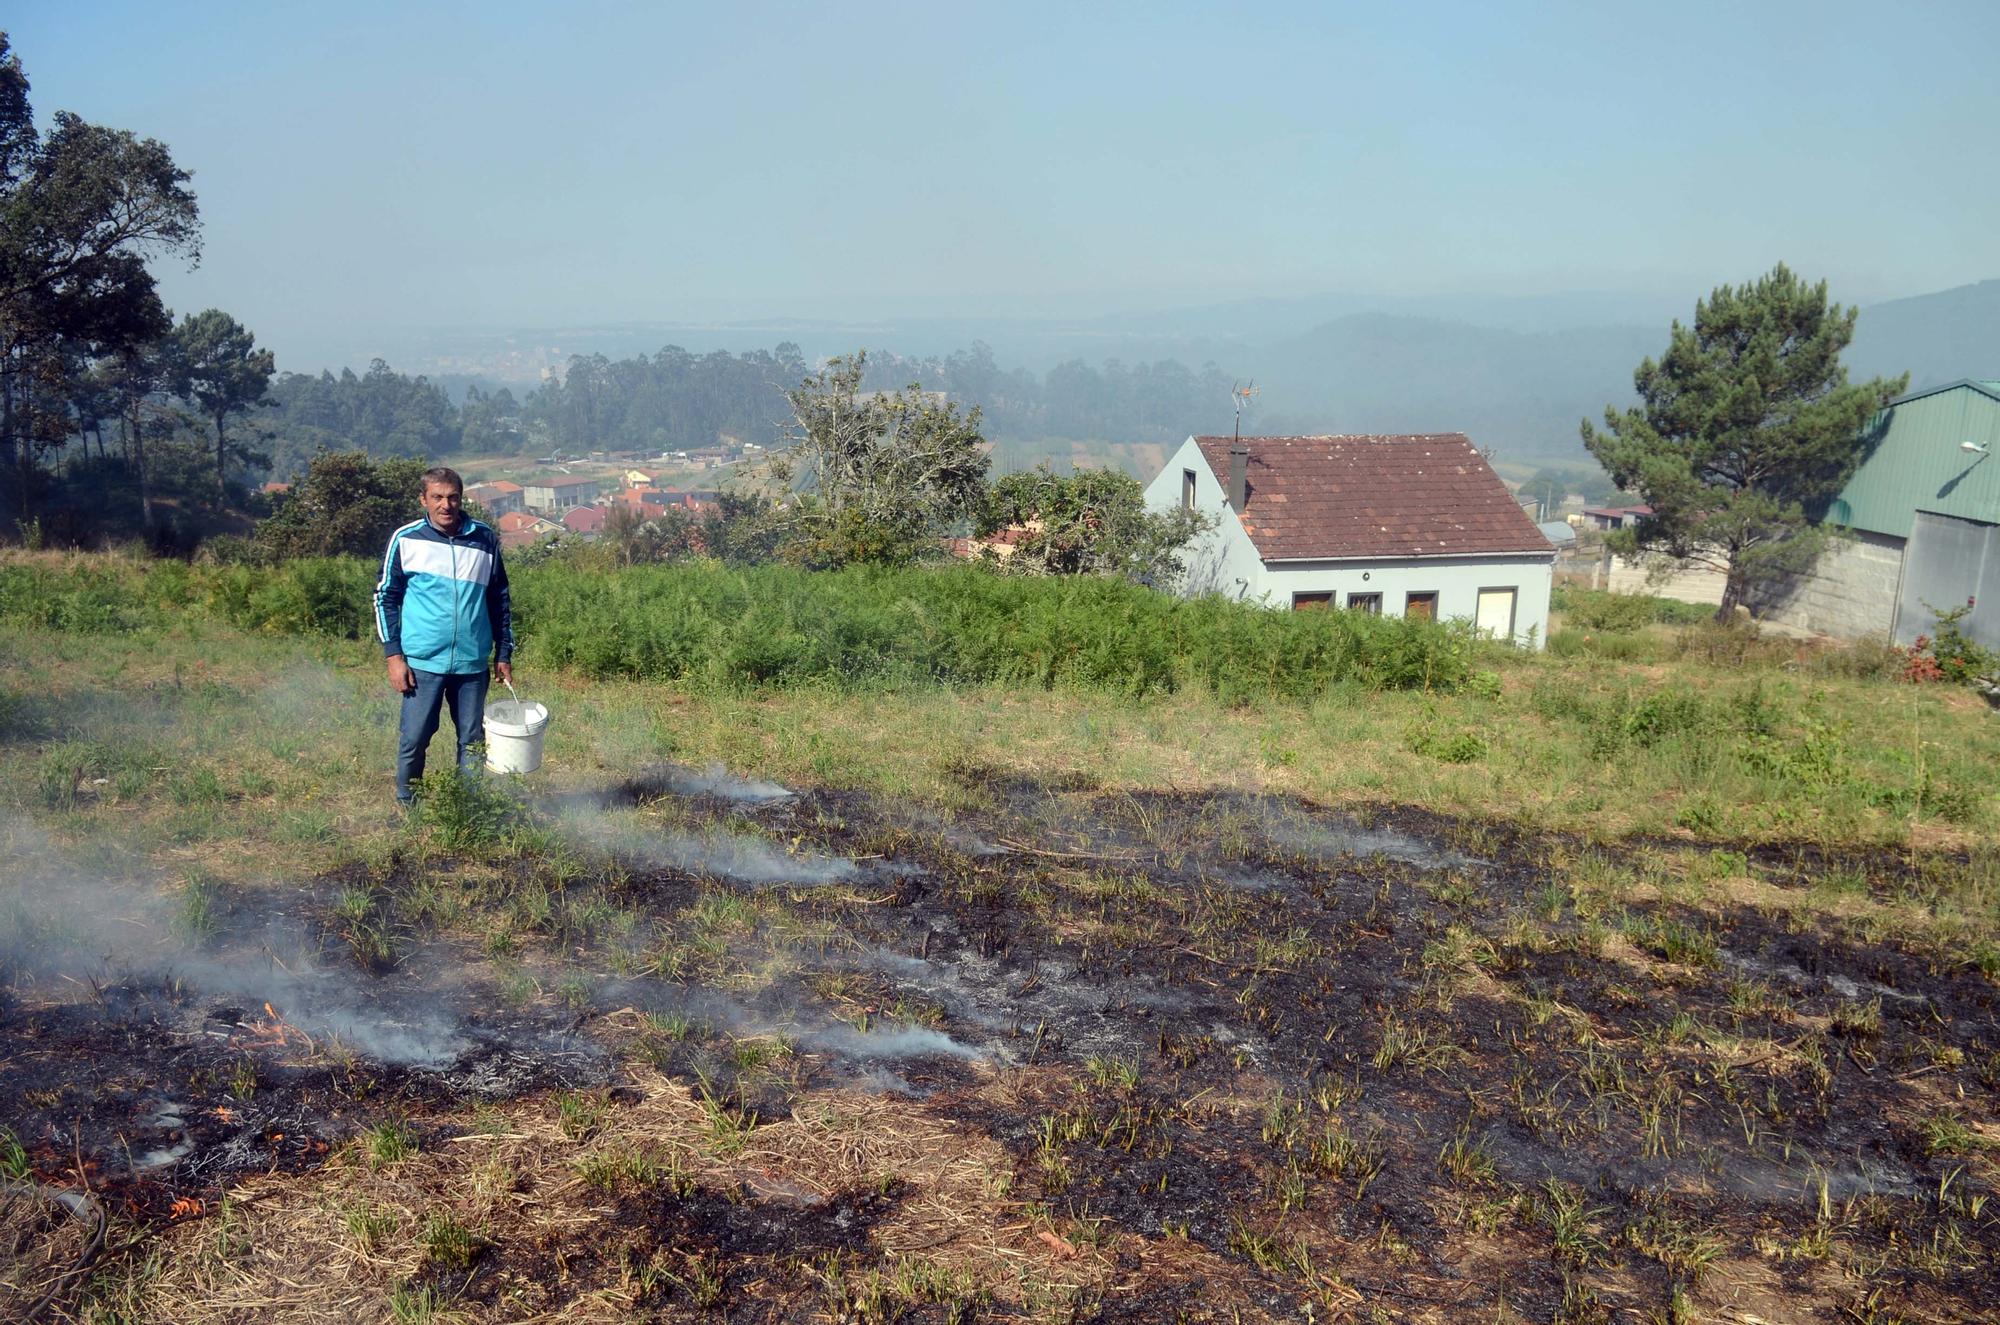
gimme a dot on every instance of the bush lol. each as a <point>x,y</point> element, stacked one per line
<point>467,810</point>
<point>1610,645</point>
<point>87,597</point>
<point>1949,655</point>
<point>706,625</point>
<point>313,596</point>
<point>1448,747</point>
<point>1620,613</point>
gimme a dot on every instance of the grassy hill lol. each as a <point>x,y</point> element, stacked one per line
<point>1648,976</point>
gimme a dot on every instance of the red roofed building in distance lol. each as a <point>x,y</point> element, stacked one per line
<point>519,529</point>
<point>1404,525</point>
<point>497,498</point>
<point>1000,545</point>
<point>585,520</point>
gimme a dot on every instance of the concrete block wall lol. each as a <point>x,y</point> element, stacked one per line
<point>1689,584</point>
<point>1850,593</point>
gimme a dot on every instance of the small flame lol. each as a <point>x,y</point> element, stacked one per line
<point>185,1207</point>
<point>271,1032</point>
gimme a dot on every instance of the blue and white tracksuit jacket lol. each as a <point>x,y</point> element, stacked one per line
<point>442,601</point>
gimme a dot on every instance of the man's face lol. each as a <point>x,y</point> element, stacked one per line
<point>444,504</point>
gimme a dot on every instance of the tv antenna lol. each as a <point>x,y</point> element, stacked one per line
<point>1240,396</point>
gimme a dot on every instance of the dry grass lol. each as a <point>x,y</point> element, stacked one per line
<point>265,764</point>
<point>521,1184</point>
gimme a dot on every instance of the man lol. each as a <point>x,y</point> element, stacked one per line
<point>442,609</point>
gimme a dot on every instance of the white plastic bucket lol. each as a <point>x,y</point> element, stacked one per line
<point>514,735</point>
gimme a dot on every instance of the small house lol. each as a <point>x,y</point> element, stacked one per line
<point>1614,517</point>
<point>585,520</point>
<point>1413,525</point>
<point>521,522</point>
<point>520,529</point>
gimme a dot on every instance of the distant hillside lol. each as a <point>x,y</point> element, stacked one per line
<point>1940,337</point>
<point>1520,392</point>
<point>1524,392</point>
<point>1515,374</point>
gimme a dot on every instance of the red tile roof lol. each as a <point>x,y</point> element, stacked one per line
<point>499,485</point>
<point>1375,496</point>
<point>585,519</point>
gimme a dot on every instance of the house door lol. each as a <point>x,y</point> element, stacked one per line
<point>1423,606</point>
<point>1496,613</point>
<point>1948,563</point>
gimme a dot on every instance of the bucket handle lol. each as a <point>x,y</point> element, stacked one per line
<point>519,703</point>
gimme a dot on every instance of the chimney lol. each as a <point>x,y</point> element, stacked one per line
<point>1239,476</point>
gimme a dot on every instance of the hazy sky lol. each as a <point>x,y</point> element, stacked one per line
<point>368,165</point>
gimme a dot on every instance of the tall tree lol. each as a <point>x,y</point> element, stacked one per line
<point>224,372</point>
<point>346,505</point>
<point>881,475</point>
<point>81,211</point>
<point>1547,489</point>
<point>1748,426</point>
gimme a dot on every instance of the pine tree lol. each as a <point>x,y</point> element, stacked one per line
<point>1747,428</point>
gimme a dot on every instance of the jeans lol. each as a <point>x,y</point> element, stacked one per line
<point>467,693</point>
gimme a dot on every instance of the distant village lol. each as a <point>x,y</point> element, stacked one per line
<point>527,513</point>
<point>579,503</point>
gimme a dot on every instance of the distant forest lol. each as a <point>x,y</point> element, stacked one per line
<point>676,399</point>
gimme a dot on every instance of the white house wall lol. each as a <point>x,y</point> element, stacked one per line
<point>1455,580</point>
<point>1224,560</point>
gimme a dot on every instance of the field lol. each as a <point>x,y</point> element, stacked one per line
<point>1649,979</point>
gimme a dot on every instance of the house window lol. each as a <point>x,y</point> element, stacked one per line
<point>1423,606</point>
<point>1312,602</point>
<point>1187,489</point>
<point>1495,615</point>
<point>1371,603</point>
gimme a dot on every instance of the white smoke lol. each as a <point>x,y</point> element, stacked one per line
<point>62,924</point>
<point>737,856</point>
<point>719,782</point>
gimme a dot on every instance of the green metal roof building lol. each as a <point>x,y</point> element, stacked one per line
<point>1924,511</point>
<point>1920,463</point>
